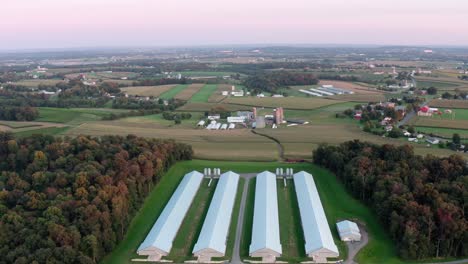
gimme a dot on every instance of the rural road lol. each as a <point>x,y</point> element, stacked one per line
<point>236,259</point>
<point>355,247</point>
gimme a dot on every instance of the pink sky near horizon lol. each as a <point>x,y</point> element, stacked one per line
<point>86,23</point>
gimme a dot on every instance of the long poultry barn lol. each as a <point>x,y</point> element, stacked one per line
<point>265,231</point>
<point>212,240</point>
<point>158,242</point>
<point>318,237</point>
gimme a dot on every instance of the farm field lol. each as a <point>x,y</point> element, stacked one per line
<point>204,94</point>
<point>445,83</point>
<point>202,107</point>
<point>362,98</point>
<point>148,90</point>
<point>438,122</point>
<point>23,129</point>
<point>34,83</point>
<point>206,73</point>
<point>171,93</point>
<point>449,103</point>
<point>443,132</point>
<point>217,95</point>
<point>359,89</point>
<point>188,92</point>
<point>379,250</point>
<point>74,116</point>
<point>286,102</point>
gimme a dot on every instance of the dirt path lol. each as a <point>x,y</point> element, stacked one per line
<point>278,143</point>
<point>355,247</point>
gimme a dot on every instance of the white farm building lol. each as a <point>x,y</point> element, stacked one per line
<point>349,231</point>
<point>158,242</point>
<point>213,236</point>
<point>319,244</point>
<point>265,232</point>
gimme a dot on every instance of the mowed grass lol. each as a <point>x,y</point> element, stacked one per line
<point>300,103</point>
<point>74,115</point>
<point>148,90</point>
<point>190,229</point>
<point>173,92</point>
<point>187,93</point>
<point>204,93</point>
<point>231,239</point>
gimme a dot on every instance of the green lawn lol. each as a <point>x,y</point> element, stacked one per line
<point>248,220</point>
<point>52,131</point>
<point>74,115</point>
<point>173,92</point>
<point>235,215</point>
<point>204,93</point>
<point>338,204</point>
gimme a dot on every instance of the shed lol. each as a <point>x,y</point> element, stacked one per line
<point>265,232</point>
<point>214,233</point>
<point>158,242</point>
<point>349,231</point>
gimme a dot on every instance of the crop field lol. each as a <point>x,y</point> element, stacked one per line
<point>436,84</point>
<point>171,93</point>
<point>443,132</point>
<point>449,103</point>
<point>202,107</point>
<point>362,98</point>
<point>104,75</point>
<point>148,90</point>
<point>205,73</point>
<point>204,94</point>
<point>286,102</point>
<point>217,95</point>
<point>445,83</point>
<point>439,122</point>
<point>74,116</point>
<point>359,89</point>
<point>188,92</point>
<point>219,145</point>
<point>33,83</point>
<point>23,129</point>
<point>332,194</point>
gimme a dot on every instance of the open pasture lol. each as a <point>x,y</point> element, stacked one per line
<point>286,102</point>
<point>204,94</point>
<point>189,91</point>
<point>463,104</point>
<point>148,90</point>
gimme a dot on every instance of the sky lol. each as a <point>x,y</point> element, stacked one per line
<point>43,24</point>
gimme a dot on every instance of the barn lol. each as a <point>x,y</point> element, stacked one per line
<point>265,231</point>
<point>158,242</point>
<point>349,231</point>
<point>319,244</point>
<point>213,236</point>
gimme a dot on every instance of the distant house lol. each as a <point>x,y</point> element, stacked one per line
<point>432,140</point>
<point>214,117</point>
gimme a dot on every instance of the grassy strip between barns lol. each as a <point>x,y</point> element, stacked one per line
<point>173,92</point>
<point>204,93</point>
<point>337,202</point>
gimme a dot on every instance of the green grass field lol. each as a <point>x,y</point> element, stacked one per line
<point>204,93</point>
<point>427,84</point>
<point>173,92</point>
<point>74,115</point>
<point>52,131</point>
<point>337,202</point>
<point>444,132</point>
<point>205,73</point>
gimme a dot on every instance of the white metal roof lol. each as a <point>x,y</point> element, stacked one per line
<point>317,233</point>
<point>346,226</point>
<point>216,226</point>
<point>163,232</point>
<point>265,231</point>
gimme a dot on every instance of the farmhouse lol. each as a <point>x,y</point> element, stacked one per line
<point>213,236</point>
<point>432,140</point>
<point>319,244</point>
<point>349,231</point>
<point>158,242</point>
<point>265,232</point>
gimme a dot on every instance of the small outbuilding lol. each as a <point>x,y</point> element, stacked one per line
<point>349,231</point>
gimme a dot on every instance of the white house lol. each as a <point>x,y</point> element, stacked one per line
<point>348,231</point>
<point>265,232</point>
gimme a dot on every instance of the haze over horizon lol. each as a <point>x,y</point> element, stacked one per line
<point>52,24</point>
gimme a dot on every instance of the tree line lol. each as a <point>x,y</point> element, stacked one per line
<point>421,201</point>
<point>70,200</point>
<point>272,81</point>
<point>18,113</point>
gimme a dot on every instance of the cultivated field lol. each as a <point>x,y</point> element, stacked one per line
<point>362,98</point>
<point>74,116</point>
<point>148,90</point>
<point>286,102</point>
<point>173,92</point>
<point>359,89</point>
<point>204,94</point>
<point>439,122</point>
<point>33,83</point>
<point>332,194</point>
<point>443,83</point>
<point>217,96</point>
<point>449,103</point>
<point>202,107</point>
<point>188,92</point>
